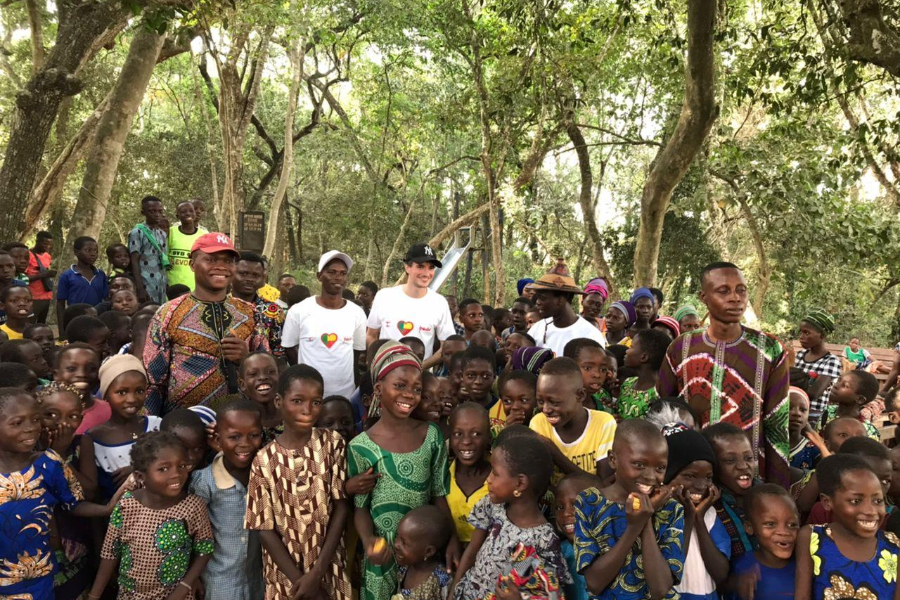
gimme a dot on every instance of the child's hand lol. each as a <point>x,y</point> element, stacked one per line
<point>211,437</point>
<point>308,587</point>
<point>453,554</point>
<point>199,590</point>
<point>120,475</point>
<point>745,583</point>
<point>362,483</point>
<point>638,509</point>
<point>816,439</point>
<point>712,496</point>
<point>660,496</point>
<point>58,438</point>
<point>378,556</point>
<point>515,418</point>
<point>506,589</point>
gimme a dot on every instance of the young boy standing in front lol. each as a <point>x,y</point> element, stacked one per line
<point>236,568</point>
<point>83,283</point>
<point>629,536</point>
<point>582,437</point>
<point>148,245</point>
<point>181,238</point>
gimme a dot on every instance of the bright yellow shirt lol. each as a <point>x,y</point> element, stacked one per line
<point>461,505</point>
<point>592,445</point>
<point>13,335</point>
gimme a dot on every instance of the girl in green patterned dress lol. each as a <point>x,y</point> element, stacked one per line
<point>410,459</point>
<point>159,539</point>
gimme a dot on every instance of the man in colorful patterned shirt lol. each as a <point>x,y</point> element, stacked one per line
<point>196,342</point>
<point>249,277</point>
<point>731,373</point>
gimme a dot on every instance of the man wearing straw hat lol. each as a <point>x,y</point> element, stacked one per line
<point>559,324</point>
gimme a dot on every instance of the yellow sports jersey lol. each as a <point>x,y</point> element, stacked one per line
<point>592,446</point>
<point>461,505</point>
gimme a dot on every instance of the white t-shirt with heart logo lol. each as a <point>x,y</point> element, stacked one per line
<point>325,340</point>
<point>398,315</point>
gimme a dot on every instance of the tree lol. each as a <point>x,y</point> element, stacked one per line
<point>698,113</point>
<point>113,129</point>
<point>84,27</point>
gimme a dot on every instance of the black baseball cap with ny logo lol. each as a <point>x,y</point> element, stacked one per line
<point>422,253</point>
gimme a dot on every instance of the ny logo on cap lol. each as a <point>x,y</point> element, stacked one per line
<point>429,251</point>
<point>223,239</point>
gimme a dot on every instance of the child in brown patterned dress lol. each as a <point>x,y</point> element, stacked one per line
<point>296,497</point>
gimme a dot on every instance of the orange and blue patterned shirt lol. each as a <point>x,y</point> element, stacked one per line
<point>183,354</point>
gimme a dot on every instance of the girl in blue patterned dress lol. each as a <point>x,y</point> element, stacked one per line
<point>31,484</point>
<point>850,557</point>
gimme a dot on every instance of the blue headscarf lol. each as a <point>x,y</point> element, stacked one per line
<point>520,285</point>
<point>641,292</point>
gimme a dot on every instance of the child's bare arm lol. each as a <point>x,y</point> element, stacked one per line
<point>716,564</point>
<point>808,496</point>
<point>606,567</point>
<point>803,578</point>
<point>468,557</point>
<point>87,465</point>
<point>656,569</point>
<point>198,565</point>
<point>275,547</point>
<point>105,572</point>
<point>362,519</point>
<point>454,548</point>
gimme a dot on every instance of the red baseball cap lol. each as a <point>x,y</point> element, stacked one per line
<point>214,242</point>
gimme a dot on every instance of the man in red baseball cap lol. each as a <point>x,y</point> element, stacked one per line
<point>196,342</point>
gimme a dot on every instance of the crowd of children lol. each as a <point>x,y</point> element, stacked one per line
<point>490,465</point>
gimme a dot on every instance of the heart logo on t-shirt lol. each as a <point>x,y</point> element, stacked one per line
<point>329,339</point>
<point>405,327</point>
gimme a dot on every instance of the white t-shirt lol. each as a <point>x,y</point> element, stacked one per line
<point>397,316</point>
<point>325,339</point>
<point>548,335</point>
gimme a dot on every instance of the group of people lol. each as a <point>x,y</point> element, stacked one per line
<point>192,431</point>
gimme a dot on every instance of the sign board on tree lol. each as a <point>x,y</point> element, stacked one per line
<point>252,226</point>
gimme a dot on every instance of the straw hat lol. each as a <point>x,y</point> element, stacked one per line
<point>557,279</point>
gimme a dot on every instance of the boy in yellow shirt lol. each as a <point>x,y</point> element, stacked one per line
<point>581,437</point>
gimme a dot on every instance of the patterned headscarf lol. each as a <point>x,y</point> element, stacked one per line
<point>520,284</point>
<point>821,320</point>
<point>669,323</point>
<point>642,292</point>
<point>799,391</point>
<point>626,308</point>
<point>390,356</point>
<point>597,286</point>
<point>531,359</point>
<point>685,311</point>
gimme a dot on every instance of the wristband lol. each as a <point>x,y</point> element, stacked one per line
<point>190,589</point>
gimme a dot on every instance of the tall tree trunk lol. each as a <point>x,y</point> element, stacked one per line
<point>698,113</point>
<point>872,39</point>
<point>586,200</point>
<point>237,102</point>
<point>296,55</point>
<point>115,124</point>
<point>33,9</point>
<point>83,26</point>
<point>47,192</point>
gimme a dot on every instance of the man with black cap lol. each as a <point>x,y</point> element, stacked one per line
<point>327,331</point>
<point>412,308</point>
